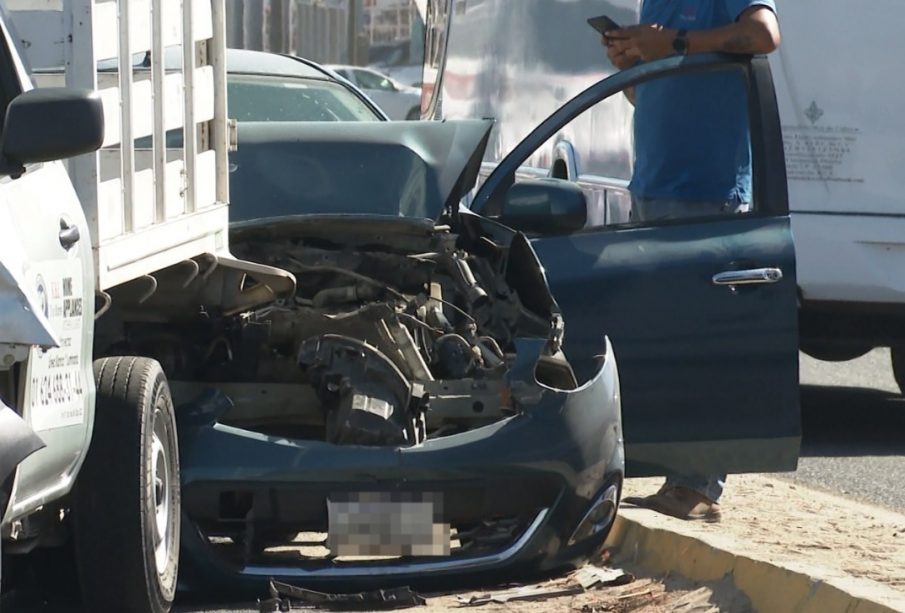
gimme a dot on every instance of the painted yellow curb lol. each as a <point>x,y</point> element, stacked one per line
<point>658,545</point>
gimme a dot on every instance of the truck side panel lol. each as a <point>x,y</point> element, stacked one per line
<point>147,208</point>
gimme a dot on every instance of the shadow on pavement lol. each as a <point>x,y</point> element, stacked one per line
<point>850,421</point>
<point>32,605</point>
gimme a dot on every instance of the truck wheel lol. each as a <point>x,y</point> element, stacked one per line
<point>126,510</point>
<point>898,366</point>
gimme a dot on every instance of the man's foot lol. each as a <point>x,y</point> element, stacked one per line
<point>678,502</point>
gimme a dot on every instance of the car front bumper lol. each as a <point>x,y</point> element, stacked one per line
<point>552,465</point>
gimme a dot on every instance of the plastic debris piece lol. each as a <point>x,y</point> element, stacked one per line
<point>528,592</point>
<point>591,576</point>
<point>284,597</point>
<point>582,580</point>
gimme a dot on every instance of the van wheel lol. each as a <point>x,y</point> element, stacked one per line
<point>126,510</point>
<point>898,366</point>
<point>830,352</point>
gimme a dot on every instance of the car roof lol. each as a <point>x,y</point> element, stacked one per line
<point>350,67</point>
<point>242,61</point>
<point>248,62</point>
<point>245,61</point>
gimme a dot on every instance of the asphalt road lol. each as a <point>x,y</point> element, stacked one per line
<point>853,420</point>
<point>854,440</point>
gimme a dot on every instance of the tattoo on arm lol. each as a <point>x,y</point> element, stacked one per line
<point>739,43</point>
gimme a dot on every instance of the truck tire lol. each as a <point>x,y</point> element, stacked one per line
<point>126,512</point>
<point>898,366</point>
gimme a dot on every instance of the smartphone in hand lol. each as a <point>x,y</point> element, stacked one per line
<point>603,24</point>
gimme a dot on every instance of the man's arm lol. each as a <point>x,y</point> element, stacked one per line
<point>621,59</point>
<point>755,31</point>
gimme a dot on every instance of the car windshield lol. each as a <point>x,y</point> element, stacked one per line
<point>274,98</point>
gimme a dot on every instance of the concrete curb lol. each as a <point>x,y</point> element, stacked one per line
<point>657,544</point>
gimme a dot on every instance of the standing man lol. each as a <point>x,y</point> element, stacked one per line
<point>692,147</point>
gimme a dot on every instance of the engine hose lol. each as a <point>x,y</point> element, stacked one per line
<point>344,295</point>
<point>473,292</point>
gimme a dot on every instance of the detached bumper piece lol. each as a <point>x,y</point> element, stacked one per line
<point>283,597</point>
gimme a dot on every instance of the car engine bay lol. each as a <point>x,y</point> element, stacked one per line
<point>397,331</point>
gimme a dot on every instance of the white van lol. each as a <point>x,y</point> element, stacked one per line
<point>845,153</point>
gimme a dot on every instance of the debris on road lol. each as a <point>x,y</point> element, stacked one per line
<point>589,576</point>
<point>527,592</point>
<point>582,580</point>
<point>285,597</point>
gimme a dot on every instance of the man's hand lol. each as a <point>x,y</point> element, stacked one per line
<point>755,31</point>
<point>621,58</point>
<point>647,42</point>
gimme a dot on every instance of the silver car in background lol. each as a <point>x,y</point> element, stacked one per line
<point>397,100</point>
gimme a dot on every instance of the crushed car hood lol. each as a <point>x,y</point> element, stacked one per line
<point>416,169</point>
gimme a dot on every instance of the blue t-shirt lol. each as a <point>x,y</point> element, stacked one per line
<point>691,131</point>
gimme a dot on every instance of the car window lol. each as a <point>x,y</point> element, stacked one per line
<point>692,147</point>
<point>371,80</point>
<point>272,98</point>
<point>673,148</point>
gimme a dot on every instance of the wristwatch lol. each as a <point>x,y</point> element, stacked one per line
<point>680,42</point>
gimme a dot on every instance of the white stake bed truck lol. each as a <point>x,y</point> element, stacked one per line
<point>88,443</point>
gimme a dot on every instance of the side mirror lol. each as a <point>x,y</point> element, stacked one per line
<point>545,206</point>
<point>50,124</point>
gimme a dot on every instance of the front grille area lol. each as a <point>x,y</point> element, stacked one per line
<point>308,550</point>
<point>287,525</point>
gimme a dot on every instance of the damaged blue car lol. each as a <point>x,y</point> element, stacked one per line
<point>392,395</point>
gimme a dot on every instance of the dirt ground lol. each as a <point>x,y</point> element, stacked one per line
<point>785,522</point>
<point>762,516</point>
<point>642,595</point>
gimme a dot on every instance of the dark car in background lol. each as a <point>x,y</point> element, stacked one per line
<point>262,86</point>
<point>265,86</point>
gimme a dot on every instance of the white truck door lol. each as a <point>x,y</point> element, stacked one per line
<point>53,253</point>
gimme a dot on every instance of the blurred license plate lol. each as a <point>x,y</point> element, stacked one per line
<point>386,524</point>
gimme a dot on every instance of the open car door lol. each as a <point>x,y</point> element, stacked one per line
<point>702,311</point>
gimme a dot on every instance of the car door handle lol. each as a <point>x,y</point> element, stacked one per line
<point>748,277</point>
<point>69,236</point>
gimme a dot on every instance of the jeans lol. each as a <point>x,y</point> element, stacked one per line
<point>710,486</point>
<point>659,209</point>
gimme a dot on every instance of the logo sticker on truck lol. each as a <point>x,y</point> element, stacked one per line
<point>55,395</point>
